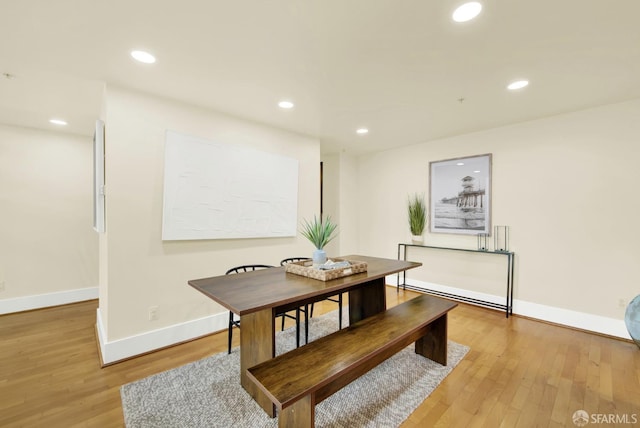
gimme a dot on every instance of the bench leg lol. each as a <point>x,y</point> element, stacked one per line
<point>433,345</point>
<point>301,414</point>
<point>257,344</point>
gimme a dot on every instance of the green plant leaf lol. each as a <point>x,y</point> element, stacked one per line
<point>417,214</point>
<point>320,233</point>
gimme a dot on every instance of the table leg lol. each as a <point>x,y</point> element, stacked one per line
<point>398,274</point>
<point>367,300</point>
<point>512,258</point>
<point>257,344</point>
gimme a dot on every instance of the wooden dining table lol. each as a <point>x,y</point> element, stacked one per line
<point>258,295</point>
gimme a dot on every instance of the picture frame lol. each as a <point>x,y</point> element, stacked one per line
<point>460,195</point>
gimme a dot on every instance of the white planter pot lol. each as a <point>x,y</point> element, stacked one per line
<point>319,257</point>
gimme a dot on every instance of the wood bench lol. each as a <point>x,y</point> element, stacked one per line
<point>298,380</point>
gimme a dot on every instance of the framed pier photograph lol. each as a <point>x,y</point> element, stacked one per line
<point>460,195</point>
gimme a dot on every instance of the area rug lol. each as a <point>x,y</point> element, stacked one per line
<point>207,393</point>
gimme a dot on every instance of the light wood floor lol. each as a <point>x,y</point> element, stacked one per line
<point>519,373</point>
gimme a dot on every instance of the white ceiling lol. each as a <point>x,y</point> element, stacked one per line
<point>397,67</point>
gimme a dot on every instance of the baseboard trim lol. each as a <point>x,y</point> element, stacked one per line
<point>118,350</point>
<point>566,317</point>
<point>40,301</point>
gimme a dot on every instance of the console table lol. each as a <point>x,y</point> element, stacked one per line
<point>510,256</point>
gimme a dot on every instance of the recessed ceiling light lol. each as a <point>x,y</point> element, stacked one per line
<point>143,56</point>
<point>518,84</point>
<point>285,104</point>
<point>58,122</point>
<point>467,11</point>
<point>476,171</point>
<point>460,163</point>
<point>362,131</point>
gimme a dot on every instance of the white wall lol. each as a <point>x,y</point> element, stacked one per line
<point>48,248</point>
<point>331,201</point>
<point>143,271</point>
<point>341,201</point>
<point>564,184</point>
<point>566,187</point>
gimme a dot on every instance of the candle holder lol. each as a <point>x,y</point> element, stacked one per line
<point>482,242</point>
<point>501,239</point>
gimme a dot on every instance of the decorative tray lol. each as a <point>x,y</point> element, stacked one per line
<point>305,268</point>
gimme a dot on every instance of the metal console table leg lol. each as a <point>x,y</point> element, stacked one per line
<point>507,307</point>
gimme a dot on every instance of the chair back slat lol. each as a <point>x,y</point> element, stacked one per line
<point>246,268</point>
<point>293,259</point>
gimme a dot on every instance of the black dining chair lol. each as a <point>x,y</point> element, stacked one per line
<point>233,322</point>
<point>336,299</point>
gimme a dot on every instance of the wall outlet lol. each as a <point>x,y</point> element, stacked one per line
<point>1,285</point>
<point>153,313</point>
<point>622,303</point>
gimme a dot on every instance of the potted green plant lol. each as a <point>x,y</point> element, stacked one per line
<point>417,217</point>
<point>320,233</point>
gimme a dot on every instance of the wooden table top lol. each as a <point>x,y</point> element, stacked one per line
<point>271,288</point>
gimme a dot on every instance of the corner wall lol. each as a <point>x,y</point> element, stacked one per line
<point>341,201</point>
<point>565,185</point>
<point>48,248</point>
<point>142,271</point>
